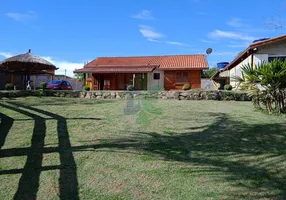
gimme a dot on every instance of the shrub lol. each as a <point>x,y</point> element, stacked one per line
<point>43,85</point>
<point>228,87</point>
<point>41,92</point>
<point>186,86</point>
<point>9,86</point>
<point>86,88</point>
<point>130,88</point>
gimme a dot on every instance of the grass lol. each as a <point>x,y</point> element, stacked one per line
<point>54,148</point>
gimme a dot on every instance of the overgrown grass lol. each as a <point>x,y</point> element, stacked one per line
<point>55,148</point>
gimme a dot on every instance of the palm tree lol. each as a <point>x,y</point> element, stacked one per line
<point>250,80</point>
<point>266,82</point>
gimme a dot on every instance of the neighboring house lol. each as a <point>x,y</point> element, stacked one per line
<point>169,72</point>
<point>263,50</point>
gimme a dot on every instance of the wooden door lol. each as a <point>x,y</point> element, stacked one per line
<point>120,82</point>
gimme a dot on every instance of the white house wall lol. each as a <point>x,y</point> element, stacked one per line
<point>155,84</point>
<point>236,71</point>
<point>260,58</point>
<point>277,48</point>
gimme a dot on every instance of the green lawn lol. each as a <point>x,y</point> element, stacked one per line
<point>53,148</point>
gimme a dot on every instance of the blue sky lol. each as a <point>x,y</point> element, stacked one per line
<point>68,33</point>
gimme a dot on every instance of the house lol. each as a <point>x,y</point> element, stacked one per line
<point>263,50</point>
<point>170,72</point>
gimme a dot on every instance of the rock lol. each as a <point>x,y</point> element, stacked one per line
<point>82,94</point>
<point>113,95</point>
<point>176,95</point>
<point>203,95</point>
<point>182,98</point>
<point>106,95</point>
<point>184,94</point>
<point>196,96</point>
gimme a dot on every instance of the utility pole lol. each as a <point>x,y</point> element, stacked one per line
<point>65,74</point>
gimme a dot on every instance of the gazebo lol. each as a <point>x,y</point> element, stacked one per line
<point>22,66</point>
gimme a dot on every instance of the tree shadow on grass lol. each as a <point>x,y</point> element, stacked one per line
<point>29,181</point>
<point>57,101</point>
<point>6,124</point>
<point>251,157</point>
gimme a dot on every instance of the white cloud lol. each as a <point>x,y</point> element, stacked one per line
<point>236,23</point>
<point>149,32</point>
<point>30,15</point>
<point>144,14</point>
<point>6,54</point>
<point>217,34</point>
<point>176,43</point>
<point>64,65</point>
<point>154,36</point>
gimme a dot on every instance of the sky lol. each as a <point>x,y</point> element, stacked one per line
<point>70,33</point>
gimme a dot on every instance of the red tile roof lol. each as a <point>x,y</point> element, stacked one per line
<point>167,62</point>
<point>117,69</point>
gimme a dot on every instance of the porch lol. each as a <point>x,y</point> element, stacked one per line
<point>117,81</point>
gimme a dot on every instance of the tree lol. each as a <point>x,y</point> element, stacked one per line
<point>277,21</point>
<point>266,83</point>
<point>210,72</point>
<point>79,76</point>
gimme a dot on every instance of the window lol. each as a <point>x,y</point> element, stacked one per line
<point>107,82</point>
<point>276,57</point>
<point>156,76</point>
<point>182,77</point>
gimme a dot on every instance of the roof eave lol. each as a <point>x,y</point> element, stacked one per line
<point>184,68</point>
<point>237,60</point>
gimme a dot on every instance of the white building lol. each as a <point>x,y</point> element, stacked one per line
<point>264,50</point>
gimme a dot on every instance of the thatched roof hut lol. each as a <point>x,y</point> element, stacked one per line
<point>26,62</point>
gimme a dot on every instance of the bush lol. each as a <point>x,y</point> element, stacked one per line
<point>130,88</point>
<point>228,87</point>
<point>43,85</point>
<point>9,86</point>
<point>186,86</point>
<point>86,88</point>
<point>41,92</point>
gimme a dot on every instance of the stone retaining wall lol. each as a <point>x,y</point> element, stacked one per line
<point>180,95</point>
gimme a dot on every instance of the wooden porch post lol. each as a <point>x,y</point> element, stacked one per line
<point>12,77</point>
<point>92,82</point>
